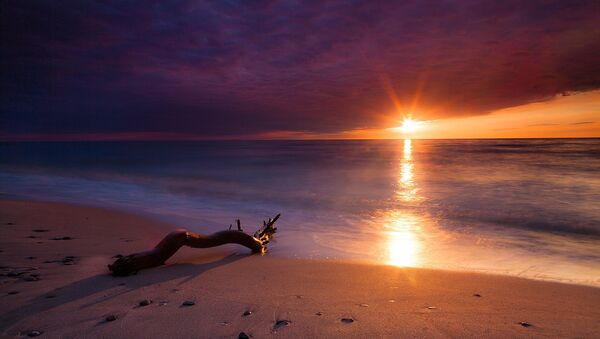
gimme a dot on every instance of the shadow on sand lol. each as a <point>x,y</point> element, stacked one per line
<point>103,282</point>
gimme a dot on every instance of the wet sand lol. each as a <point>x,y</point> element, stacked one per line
<point>54,283</point>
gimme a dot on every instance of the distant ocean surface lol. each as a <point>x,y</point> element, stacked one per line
<point>520,207</point>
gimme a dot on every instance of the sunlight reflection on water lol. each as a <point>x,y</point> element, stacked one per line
<point>402,229</point>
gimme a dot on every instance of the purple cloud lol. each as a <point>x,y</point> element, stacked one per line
<point>231,68</point>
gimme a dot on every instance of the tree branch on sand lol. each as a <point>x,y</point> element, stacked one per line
<point>130,264</point>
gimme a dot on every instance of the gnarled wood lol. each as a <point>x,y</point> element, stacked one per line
<point>170,244</point>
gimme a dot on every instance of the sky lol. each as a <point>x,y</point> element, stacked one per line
<point>129,70</point>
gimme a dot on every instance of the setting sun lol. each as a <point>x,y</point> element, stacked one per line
<point>409,125</point>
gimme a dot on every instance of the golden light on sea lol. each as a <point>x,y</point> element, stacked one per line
<point>402,228</point>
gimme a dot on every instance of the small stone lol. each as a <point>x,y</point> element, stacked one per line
<point>188,303</point>
<point>363,305</point>
<point>30,278</point>
<point>347,320</point>
<point>477,295</point>
<point>50,296</point>
<point>61,238</point>
<point>525,324</point>
<point>13,292</point>
<point>243,335</point>
<point>10,223</point>
<point>162,303</point>
<point>391,301</point>
<point>145,302</point>
<point>224,323</point>
<point>431,307</point>
<point>110,318</point>
<point>246,313</point>
<point>319,313</point>
<point>40,230</point>
<point>34,333</point>
<point>280,324</point>
<point>30,258</point>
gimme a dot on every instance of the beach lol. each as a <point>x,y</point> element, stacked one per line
<point>55,281</point>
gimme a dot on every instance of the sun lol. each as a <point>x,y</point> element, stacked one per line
<point>409,125</point>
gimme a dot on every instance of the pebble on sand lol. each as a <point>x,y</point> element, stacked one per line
<point>319,313</point>
<point>477,295</point>
<point>525,324</point>
<point>31,277</point>
<point>347,320</point>
<point>61,238</point>
<point>188,303</point>
<point>243,335</point>
<point>13,292</point>
<point>246,313</point>
<point>145,302</point>
<point>281,324</point>
<point>34,333</point>
<point>363,305</point>
<point>110,318</point>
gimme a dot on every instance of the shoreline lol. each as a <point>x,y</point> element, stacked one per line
<point>73,297</point>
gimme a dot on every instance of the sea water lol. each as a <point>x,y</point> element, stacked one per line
<point>527,208</point>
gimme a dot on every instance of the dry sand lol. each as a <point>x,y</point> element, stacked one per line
<point>72,297</point>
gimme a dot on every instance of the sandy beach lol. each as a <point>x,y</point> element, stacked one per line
<point>54,280</point>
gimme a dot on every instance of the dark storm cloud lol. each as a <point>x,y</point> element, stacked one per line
<point>237,67</point>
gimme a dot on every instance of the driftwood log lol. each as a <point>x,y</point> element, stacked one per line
<point>126,265</point>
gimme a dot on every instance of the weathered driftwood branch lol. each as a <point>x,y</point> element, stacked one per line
<point>126,265</point>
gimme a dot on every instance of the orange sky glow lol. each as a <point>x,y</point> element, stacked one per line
<point>575,115</point>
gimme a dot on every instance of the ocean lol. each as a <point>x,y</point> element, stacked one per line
<point>527,208</point>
